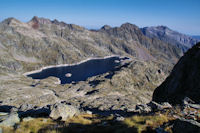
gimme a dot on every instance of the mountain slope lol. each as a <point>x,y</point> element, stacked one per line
<point>48,42</point>
<point>156,48</point>
<point>167,35</point>
<point>183,81</point>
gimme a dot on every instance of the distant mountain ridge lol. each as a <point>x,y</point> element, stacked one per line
<point>167,35</point>
<point>196,37</point>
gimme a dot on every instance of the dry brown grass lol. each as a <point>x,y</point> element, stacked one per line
<point>141,123</point>
<point>32,126</point>
<point>86,119</point>
<point>35,125</point>
<point>94,123</point>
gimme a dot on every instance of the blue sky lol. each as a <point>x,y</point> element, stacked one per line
<point>180,15</point>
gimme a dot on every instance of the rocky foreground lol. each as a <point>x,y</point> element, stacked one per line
<point>63,117</point>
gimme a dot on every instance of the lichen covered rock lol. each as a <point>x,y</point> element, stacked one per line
<point>62,111</point>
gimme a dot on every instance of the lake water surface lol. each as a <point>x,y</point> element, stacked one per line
<point>80,71</point>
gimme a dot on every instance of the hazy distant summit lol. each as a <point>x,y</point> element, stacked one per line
<point>196,37</point>
<point>170,36</point>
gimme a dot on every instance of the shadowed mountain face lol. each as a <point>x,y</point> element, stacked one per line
<point>167,35</point>
<point>80,72</point>
<point>183,81</point>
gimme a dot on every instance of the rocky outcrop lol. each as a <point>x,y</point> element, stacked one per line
<point>152,107</point>
<point>183,81</point>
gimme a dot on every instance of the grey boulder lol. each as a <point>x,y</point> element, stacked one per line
<point>10,120</point>
<point>152,106</point>
<point>156,106</point>
<point>143,108</point>
<point>195,106</point>
<point>63,111</point>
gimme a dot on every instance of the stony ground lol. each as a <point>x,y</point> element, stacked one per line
<point>151,117</point>
<point>119,90</point>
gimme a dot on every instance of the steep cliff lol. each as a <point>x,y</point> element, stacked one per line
<point>183,81</point>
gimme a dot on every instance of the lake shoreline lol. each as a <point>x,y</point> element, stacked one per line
<point>73,64</point>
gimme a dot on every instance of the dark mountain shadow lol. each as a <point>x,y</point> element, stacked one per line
<point>94,83</point>
<point>35,112</point>
<point>108,126</point>
<point>6,108</point>
<point>110,75</point>
<point>109,112</point>
<point>91,92</point>
<point>103,126</point>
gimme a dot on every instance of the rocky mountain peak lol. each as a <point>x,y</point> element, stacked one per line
<point>35,19</point>
<point>55,21</point>
<point>11,21</point>
<point>35,22</point>
<point>158,30</point>
<point>170,36</point>
<point>60,23</point>
<point>129,26</point>
<point>38,20</point>
<point>106,27</point>
<point>162,27</point>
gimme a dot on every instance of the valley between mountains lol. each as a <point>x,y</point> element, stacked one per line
<point>152,53</point>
